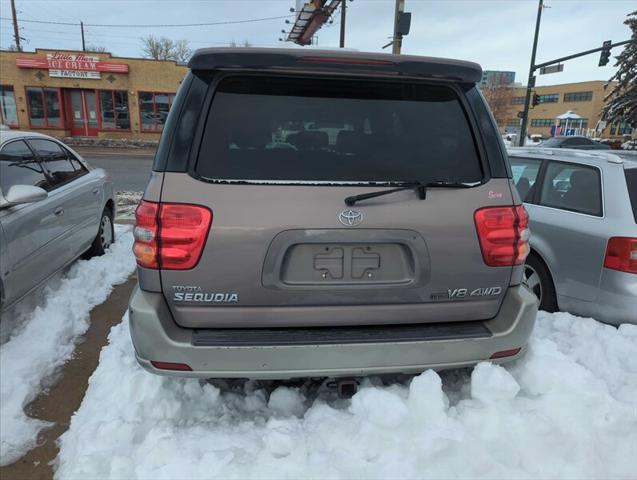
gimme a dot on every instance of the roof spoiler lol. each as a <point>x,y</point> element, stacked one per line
<point>329,60</point>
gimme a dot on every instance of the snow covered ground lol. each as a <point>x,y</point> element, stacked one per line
<point>57,315</point>
<point>567,410</point>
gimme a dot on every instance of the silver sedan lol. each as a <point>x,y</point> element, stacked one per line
<point>583,219</point>
<point>54,208</point>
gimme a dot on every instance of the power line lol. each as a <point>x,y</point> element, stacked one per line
<point>155,25</point>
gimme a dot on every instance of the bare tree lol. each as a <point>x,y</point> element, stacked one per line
<point>164,48</point>
<point>245,44</point>
<point>499,98</point>
<point>96,48</point>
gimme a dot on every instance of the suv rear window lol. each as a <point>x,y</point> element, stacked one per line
<point>631,182</point>
<point>324,130</point>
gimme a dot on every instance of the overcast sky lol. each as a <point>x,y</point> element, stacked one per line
<point>498,34</point>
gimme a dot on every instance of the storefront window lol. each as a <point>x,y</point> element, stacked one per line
<point>44,107</point>
<point>154,108</point>
<point>114,110</point>
<point>8,111</point>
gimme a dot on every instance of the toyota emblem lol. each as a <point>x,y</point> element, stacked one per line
<point>350,218</point>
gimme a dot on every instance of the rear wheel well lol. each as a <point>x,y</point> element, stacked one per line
<point>110,205</point>
<point>549,303</point>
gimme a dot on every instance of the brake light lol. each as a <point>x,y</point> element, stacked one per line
<point>170,236</point>
<point>346,61</point>
<point>504,235</point>
<point>621,254</point>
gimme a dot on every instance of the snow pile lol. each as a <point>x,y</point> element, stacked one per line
<point>127,203</point>
<point>45,338</point>
<point>568,410</point>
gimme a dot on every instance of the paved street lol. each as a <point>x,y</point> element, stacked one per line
<point>129,171</point>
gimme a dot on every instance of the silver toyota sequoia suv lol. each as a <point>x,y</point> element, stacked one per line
<point>324,214</point>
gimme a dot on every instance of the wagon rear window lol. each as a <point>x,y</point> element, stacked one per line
<point>293,129</point>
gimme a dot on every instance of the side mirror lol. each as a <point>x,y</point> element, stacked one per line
<point>20,194</point>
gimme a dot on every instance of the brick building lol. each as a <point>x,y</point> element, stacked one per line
<point>86,94</point>
<point>586,99</point>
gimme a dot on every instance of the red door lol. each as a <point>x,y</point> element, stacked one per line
<point>82,108</point>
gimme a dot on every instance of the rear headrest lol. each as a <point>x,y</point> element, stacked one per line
<point>582,179</point>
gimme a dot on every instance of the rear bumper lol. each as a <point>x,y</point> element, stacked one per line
<point>157,337</point>
<point>617,301</point>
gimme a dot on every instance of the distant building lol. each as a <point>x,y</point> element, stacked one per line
<point>586,99</point>
<point>494,78</point>
<point>87,94</point>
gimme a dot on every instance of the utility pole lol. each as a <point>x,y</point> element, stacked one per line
<point>398,38</point>
<point>530,84</point>
<point>343,12</point>
<point>83,44</point>
<point>16,30</point>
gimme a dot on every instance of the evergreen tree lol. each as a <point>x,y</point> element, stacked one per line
<point>621,102</point>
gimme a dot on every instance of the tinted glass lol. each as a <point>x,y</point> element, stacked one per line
<point>55,160</point>
<point>162,106</point>
<point>577,141</point>
<point>329,130</point>
<point>52,102</point>
<point>572,187</point>
<point>631,183</point>
<point>525,172</point>
<point>19,167</point>
<point>107,109</point>
<point>147,110</point>
<point>36,107</point>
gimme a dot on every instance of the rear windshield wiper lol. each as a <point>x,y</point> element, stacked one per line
<point>419,187</point>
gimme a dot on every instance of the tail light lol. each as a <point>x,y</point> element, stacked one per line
<point>621,254</point>
<point>170,236</point>
<point>504,235</point>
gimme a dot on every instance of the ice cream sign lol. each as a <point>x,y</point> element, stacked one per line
<point>71,65</point>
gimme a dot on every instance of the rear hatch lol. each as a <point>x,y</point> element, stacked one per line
<point>277,156</point>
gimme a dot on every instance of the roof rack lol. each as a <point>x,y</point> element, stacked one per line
<point>329,60</point>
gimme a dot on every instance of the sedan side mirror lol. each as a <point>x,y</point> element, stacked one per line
<point>20,194</point>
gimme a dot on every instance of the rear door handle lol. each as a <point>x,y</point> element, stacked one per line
<point>95,191</point>
<point>59,212</point>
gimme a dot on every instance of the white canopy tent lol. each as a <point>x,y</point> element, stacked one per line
<point>570,116</point>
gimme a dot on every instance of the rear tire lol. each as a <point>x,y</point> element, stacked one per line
<point>105,235</point>
<point>538,279</point>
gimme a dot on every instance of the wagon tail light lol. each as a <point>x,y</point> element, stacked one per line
<point>621,254</point>
<point>504,235</point>
<point>170,236</point>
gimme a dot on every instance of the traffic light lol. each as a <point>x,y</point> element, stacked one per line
<point>536,100</point>
<point>605,55</point>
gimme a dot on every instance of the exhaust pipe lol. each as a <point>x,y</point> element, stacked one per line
<point>346,387</point>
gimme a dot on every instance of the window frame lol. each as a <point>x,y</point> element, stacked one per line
<point>554,98</point>
<point>112,91</point>
<point>171,99</point>
<point>583,96</point>
<point>62,125</point>
<point>542,174</point>
<point>17,117</point>
<point>47,172</point>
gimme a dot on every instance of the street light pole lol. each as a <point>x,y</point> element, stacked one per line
<point>398,38</point>
<point>83,43</point>
<point>343,11</point>
<point>16,30</point>
<point>531,81</point>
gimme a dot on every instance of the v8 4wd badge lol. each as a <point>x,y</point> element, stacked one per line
<point>455,293</point>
